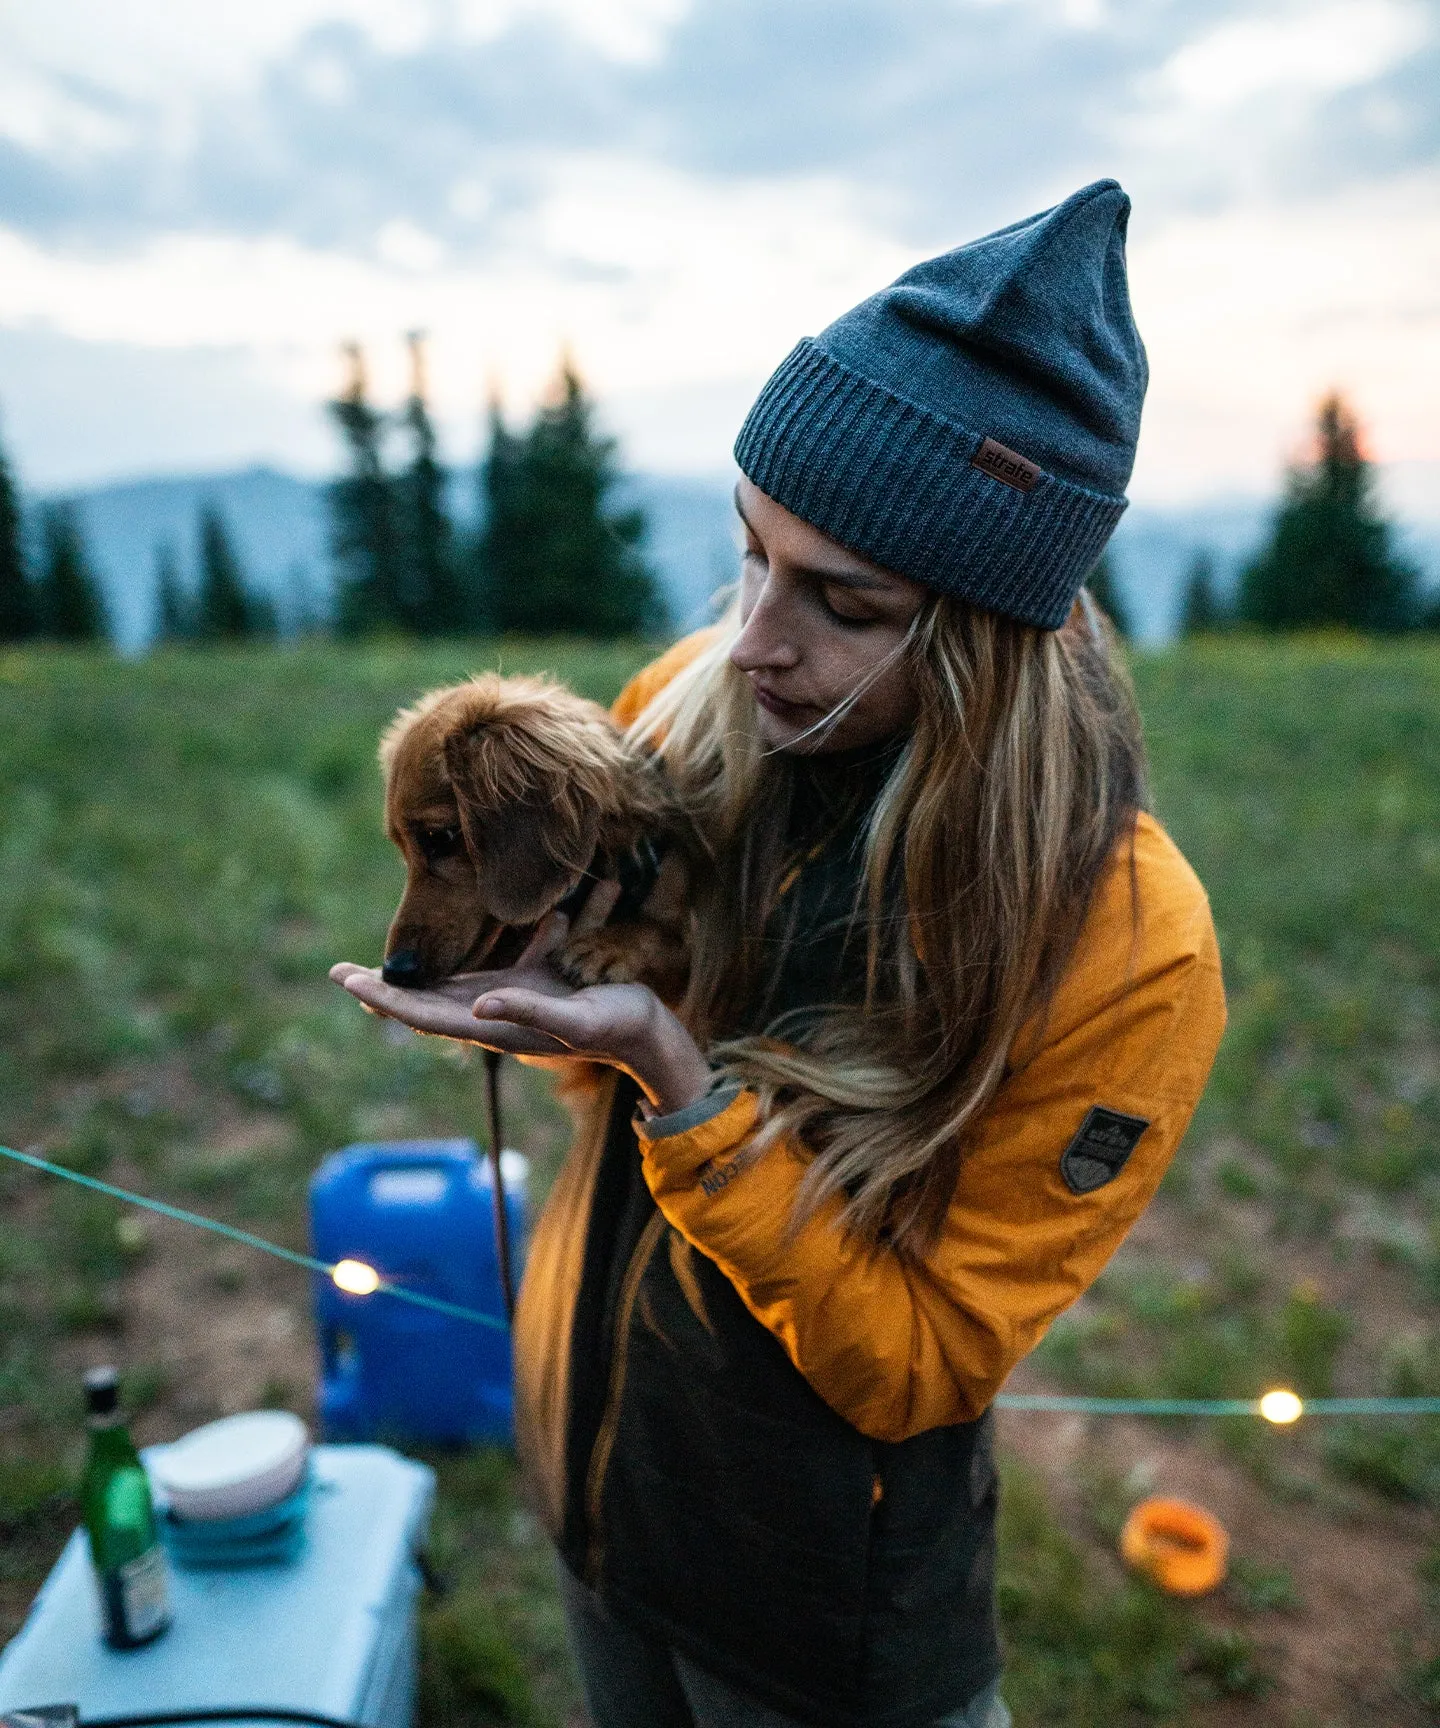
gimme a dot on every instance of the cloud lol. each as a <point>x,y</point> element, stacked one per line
<point>677,189</point>
<point>1330,47</point>
<point>77,409</point>
<point>940,116</point>
<point>669,293</point>
<point>1251,314</point>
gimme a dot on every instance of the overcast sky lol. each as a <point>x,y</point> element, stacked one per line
<point>199,202</point>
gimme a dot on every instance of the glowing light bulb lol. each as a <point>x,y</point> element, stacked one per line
<point>355,1278</point>
<point>1281,1407</point>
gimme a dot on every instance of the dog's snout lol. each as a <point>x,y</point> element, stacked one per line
<point>403,969</point>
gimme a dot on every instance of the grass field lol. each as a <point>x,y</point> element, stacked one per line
<point>188,842</point>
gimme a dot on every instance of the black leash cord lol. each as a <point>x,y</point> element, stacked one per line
<point>229,1713</point>
<point>497,1181</point>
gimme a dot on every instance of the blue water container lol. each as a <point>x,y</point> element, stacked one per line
<point>421,1213</point>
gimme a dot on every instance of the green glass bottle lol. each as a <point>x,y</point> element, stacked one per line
<point>120,1522</point>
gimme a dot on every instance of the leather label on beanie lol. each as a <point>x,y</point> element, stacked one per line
<point>1007,466</point>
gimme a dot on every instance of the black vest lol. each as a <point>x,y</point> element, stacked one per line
<point>715,1501</point>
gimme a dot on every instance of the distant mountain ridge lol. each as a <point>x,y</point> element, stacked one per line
<point>280,526</point>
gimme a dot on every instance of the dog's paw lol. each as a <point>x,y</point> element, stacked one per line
<point>597,957</point>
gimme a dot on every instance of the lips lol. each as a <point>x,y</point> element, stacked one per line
<point>779,707</point>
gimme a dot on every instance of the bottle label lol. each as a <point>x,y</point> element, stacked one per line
<point>142,1596</point>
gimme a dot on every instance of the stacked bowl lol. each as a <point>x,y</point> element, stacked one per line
<point>234,1492</point>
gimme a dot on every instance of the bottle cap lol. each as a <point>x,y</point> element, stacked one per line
<point>102,1391</point>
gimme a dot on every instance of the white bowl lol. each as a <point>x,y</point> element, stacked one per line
<point>231,1468</point>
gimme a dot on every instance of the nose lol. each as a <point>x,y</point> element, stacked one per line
<point>403,969</point>
<point>767,636</point>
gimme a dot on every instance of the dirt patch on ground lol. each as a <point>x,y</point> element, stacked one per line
<point>227,1327</point>
<point>221,1328</point>
<point>1336,1655</point>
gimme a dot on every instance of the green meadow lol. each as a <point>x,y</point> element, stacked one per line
<point>188,842</point>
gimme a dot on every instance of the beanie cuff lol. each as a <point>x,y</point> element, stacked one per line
<point>896,483</point>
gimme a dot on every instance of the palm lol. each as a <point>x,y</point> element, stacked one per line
<point>444,1009</point>
<point>536,1013</point>
<point>588,1024</point>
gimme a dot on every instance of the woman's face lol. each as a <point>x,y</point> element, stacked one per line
<point>820,625</point>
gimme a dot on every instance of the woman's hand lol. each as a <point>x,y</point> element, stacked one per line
<point>526,1010</point>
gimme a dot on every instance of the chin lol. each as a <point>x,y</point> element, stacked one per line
<point>785,735</point>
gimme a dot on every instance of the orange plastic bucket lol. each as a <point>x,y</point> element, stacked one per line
<point>1182,1547</point>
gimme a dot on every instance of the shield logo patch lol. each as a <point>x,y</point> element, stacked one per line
<point>1098,1152</point>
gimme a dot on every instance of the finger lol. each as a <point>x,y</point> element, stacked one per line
<point>360,981</point>
<point>599,904</point>
<point>557,1015</point>
<point>344,969</point>
<point>548,934</point>
<point>380,998</point>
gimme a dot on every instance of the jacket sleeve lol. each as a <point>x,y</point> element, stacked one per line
<point>897,1347</point>
<point>652,679</point>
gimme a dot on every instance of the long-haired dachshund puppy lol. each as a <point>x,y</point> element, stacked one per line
<point>512,797</point>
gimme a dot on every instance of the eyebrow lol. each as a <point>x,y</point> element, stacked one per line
<point>844,578</point>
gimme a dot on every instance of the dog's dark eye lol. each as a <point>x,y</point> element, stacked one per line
<point>438,843</point>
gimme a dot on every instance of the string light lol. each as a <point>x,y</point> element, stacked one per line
<point>355,1278</point>
<point>1282,1407</point>
<point>371,1281</point>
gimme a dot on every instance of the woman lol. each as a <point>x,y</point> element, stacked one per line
<point>954,998</point>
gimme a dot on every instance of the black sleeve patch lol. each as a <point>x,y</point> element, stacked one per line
<point>1098,1153</point>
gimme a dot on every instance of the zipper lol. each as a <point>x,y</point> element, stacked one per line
<point>605,1436</point>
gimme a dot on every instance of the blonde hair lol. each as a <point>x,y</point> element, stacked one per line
<point>1023,771</point>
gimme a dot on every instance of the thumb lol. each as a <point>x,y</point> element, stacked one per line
<point>545,1013</point>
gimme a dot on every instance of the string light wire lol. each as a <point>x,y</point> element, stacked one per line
<point>1280,1407</point>
<point>381,1287</point>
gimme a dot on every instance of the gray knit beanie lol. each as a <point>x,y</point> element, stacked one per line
<point>973,425</point>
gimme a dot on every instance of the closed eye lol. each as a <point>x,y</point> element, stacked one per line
<point>843,607</point>
<point>438,843</point>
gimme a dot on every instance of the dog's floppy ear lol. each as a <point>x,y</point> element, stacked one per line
<point>528,837</point>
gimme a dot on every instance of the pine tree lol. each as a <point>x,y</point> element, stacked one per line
<point>364,510</point>
<point>555,557</point>
<point>175,619</point>
<point>502,523</point>
<point>68,598</point>
<point>226,610</point>
<point>1330,559</point>
<point>1201,609</point>
<point>17,598</point>
<point>1105,592</point>
<point>434,602</point>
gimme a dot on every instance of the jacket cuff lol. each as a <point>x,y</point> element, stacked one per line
<point>680,1143</point>
<point>690,1116</point>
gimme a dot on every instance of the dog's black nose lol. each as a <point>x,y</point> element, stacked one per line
<point>402,968</point>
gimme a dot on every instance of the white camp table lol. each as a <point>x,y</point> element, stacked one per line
<point>331,1632</point>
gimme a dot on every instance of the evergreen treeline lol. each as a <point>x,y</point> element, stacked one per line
<point>552,554</point>
<point>1330,558</point>
<point>68,604</point>
<point>221,606</point>
<point>19,618</point>
<point>51,593</point>
<point>59,600</point>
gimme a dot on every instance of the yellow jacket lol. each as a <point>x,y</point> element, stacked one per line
<point>897,1348</point>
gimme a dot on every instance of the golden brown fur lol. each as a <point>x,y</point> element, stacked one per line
<point>500,793</point>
